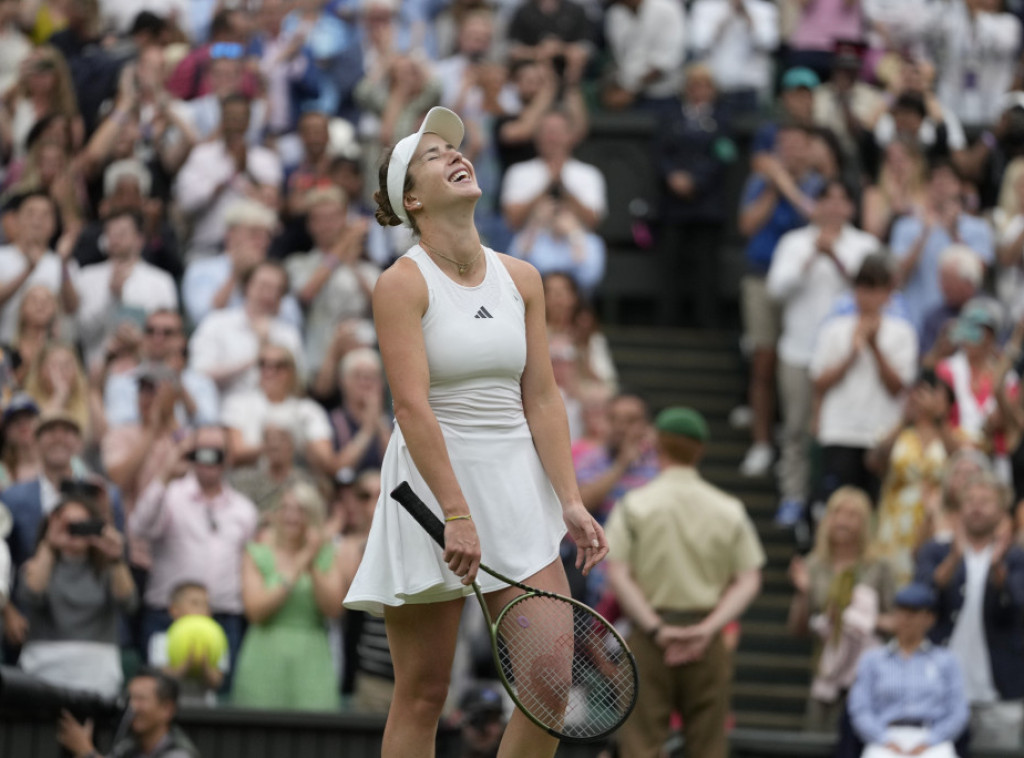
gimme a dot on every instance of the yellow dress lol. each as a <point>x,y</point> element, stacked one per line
<point>914,469</point>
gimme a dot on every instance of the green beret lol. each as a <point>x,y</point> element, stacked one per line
<point>685,422</point>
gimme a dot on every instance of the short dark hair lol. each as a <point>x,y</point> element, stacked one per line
<point>182,587</point>
<point>167,689</point>
<point>269,263</point>
<point>630,395</point>
<point>17,201</point>
<point>841,184</point>
<point>236,98</point>
<point>944,164</point>
<point>221,23</point>
<point>147,22</point>
<point>910,101</point>
<point>128,213</point>
<point>874,272</point>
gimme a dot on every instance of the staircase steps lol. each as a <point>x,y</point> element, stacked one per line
<point>705,369</point>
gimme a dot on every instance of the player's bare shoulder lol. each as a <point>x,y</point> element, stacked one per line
<point>525,275</point>
<point>401,283</point>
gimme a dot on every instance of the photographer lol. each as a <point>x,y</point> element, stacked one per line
<point>554,174</point>
<point>71,592</point>
<point>153,703</point>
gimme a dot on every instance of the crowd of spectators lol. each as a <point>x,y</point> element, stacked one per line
<point>193,408</point>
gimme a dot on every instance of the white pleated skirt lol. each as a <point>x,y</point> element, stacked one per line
<point>517,516</point>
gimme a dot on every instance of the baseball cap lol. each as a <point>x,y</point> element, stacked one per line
<point>21,402</point>
<point>915,597</point>
<point>440,121</point>
<point>800,76</point>
<point>481,702</point>
<point>975,316</point>
<point>686,422</point>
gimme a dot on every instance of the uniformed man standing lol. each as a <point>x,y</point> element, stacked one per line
<point>684,561</point>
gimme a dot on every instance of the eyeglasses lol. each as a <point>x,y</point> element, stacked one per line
<point>229,50</point>
<point>264,363</point>
<point>167,331</point>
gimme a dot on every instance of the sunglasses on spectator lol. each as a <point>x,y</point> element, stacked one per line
<point>364,495</point>
<point>166,331</point>
<point>207,456</point>
<point>227,50</point>
<point>274,365</point>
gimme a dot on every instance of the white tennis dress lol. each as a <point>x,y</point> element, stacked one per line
<point>475,339</point>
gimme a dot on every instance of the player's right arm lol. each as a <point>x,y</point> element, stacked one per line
<point>399,301</point>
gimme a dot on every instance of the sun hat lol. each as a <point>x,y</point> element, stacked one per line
<point>440,121</point>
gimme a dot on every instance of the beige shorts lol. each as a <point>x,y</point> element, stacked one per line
<point>762,316</point>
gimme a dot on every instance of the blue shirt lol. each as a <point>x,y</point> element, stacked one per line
<point>922,290</point>
<point>204,276</point>
<point>926,686</point>
<point>121,399</point>
<point>549,253</point>
<point>785,218</point>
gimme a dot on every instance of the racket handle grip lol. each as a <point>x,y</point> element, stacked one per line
<point>409,500</point>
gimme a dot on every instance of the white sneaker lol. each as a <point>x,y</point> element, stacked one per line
<point>758,459</point>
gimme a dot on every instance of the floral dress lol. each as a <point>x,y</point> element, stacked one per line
<point>915,470</point>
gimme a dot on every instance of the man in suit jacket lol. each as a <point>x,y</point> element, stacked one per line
<point>979,578</point>
<point>59,440</point>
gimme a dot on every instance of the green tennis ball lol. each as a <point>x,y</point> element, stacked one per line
<point>199,634</point>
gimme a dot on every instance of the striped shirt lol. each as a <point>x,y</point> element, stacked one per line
<point>925,687</point>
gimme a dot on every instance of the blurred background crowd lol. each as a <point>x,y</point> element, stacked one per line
<point>193,408</point>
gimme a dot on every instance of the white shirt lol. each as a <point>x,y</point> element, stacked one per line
<point>968,640</point>
<point>49,496</point>
<point>737,51</point>
<point>14,48</point>
<point>978,61</point>
<point>47,273</point>
<point>524,181</point>
<point>1010,279</point>
<point>5,573</point>
<point>226,339</point>
<point>246,411</point>
<point>906,22</point>
<point>858,410</point>
<point>652,38</point>
<point>121,13</point>
<point>204,117</point>
<point>341,297</point>
<point>208,166</point>
<point>807,283</point>
<point>956,139</point>
<point>147,288</point>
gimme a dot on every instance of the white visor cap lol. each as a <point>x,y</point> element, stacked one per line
<point>440,121</point>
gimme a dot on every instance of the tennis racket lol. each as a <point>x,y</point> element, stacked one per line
<point>565,667</point>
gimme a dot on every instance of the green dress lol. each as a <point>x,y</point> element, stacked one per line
<point>285,662</point>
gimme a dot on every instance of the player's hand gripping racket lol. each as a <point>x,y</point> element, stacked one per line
<point>564,665</point>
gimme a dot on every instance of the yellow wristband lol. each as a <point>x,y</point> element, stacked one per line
<point>458,518</point>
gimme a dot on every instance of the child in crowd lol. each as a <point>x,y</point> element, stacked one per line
<point>199,679</point>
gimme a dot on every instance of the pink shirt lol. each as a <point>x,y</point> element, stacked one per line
<point>825,21</point>
<point>193,538</point>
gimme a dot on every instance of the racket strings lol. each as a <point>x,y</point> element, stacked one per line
<point>566,666</point>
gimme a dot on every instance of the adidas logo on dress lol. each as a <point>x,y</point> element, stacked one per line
<point>483,313</point>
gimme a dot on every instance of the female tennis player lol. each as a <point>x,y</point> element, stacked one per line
<point>482,435</point>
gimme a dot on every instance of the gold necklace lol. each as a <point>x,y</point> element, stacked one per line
<point>460,267</point>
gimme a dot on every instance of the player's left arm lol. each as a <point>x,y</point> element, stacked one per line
<point>545,414</point>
